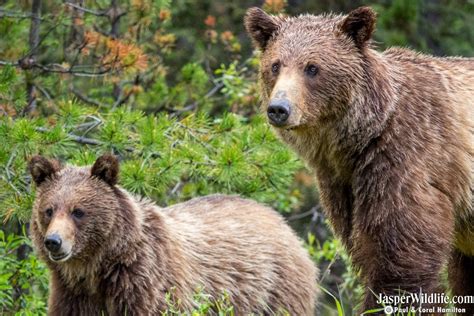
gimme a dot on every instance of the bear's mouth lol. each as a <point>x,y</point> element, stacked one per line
<point>61,257</point>
<point>288,128</point>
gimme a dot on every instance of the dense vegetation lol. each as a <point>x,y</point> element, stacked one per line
<point>169,87</point>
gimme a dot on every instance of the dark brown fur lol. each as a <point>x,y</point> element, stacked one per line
<point>127,253</point>
<point>390,137</point>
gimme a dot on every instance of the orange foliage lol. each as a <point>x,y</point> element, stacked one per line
<point>274,6</point>
<point>117,54</point>
<point>165,14</point>
<point>227,36</point>
<point>210,21</point>
<point>165,41</point>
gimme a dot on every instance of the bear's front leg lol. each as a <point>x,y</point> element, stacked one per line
<point>130,289</point>
<point>336,199</point>
<point>402,236</point>
<point>398,266</point>
<point>66,302</point>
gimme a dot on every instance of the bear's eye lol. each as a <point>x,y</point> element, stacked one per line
<point>275,68</point>
<point>49,212</point>
<point>77,213</point>
<point>311,70</point>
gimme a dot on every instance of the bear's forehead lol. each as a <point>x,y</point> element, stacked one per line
<point>73,174</point>
<point>309,25</point>
<point>305,35</point>
<point>69,182</point>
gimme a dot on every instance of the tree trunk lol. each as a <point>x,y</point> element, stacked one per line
<point>33,43</point>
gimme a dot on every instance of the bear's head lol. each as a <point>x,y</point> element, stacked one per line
<point>75,207</point>
<point>311,66</point>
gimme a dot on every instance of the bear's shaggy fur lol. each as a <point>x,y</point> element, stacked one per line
<point>121,255</point>
<point>390,136</point>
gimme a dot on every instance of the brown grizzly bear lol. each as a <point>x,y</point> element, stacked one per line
<point>111,253</point>
<point>390,137</point>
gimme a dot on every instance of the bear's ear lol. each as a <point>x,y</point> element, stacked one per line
<point>41,168</point>
<point>260,26</point>
<point>106,168</point>
<point>359,25</point>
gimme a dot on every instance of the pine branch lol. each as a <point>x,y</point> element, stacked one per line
<point>113,13</point>
<point>77,7</point>
<point>15,15</point>
<point>29,63</point>
<point>121,99</point>
<point>44,92</point>
<point>76,138</point>
<point>85,140</point>
<point>54,68</point>
<point>214,90</point>
<point>8,63</point>
<point>192,106</point>
<point>85,98</point>
<point>312,212</point>
<point>82,140</point>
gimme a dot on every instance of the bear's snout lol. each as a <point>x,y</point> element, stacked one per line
<point>279,111</point>
<point>59,249</point>
<point>53,242</point>
<point>59,238</point>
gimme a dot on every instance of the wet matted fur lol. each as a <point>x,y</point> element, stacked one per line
<point>390,137</point>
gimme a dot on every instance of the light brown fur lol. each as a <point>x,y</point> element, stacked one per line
<point>390,136</point>
<point>127,253</point>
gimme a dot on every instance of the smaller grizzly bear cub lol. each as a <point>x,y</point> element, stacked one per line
<point>110,253</point>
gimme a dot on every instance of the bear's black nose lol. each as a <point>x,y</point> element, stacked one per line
<point>278,111</point>
<point>53,242</point>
